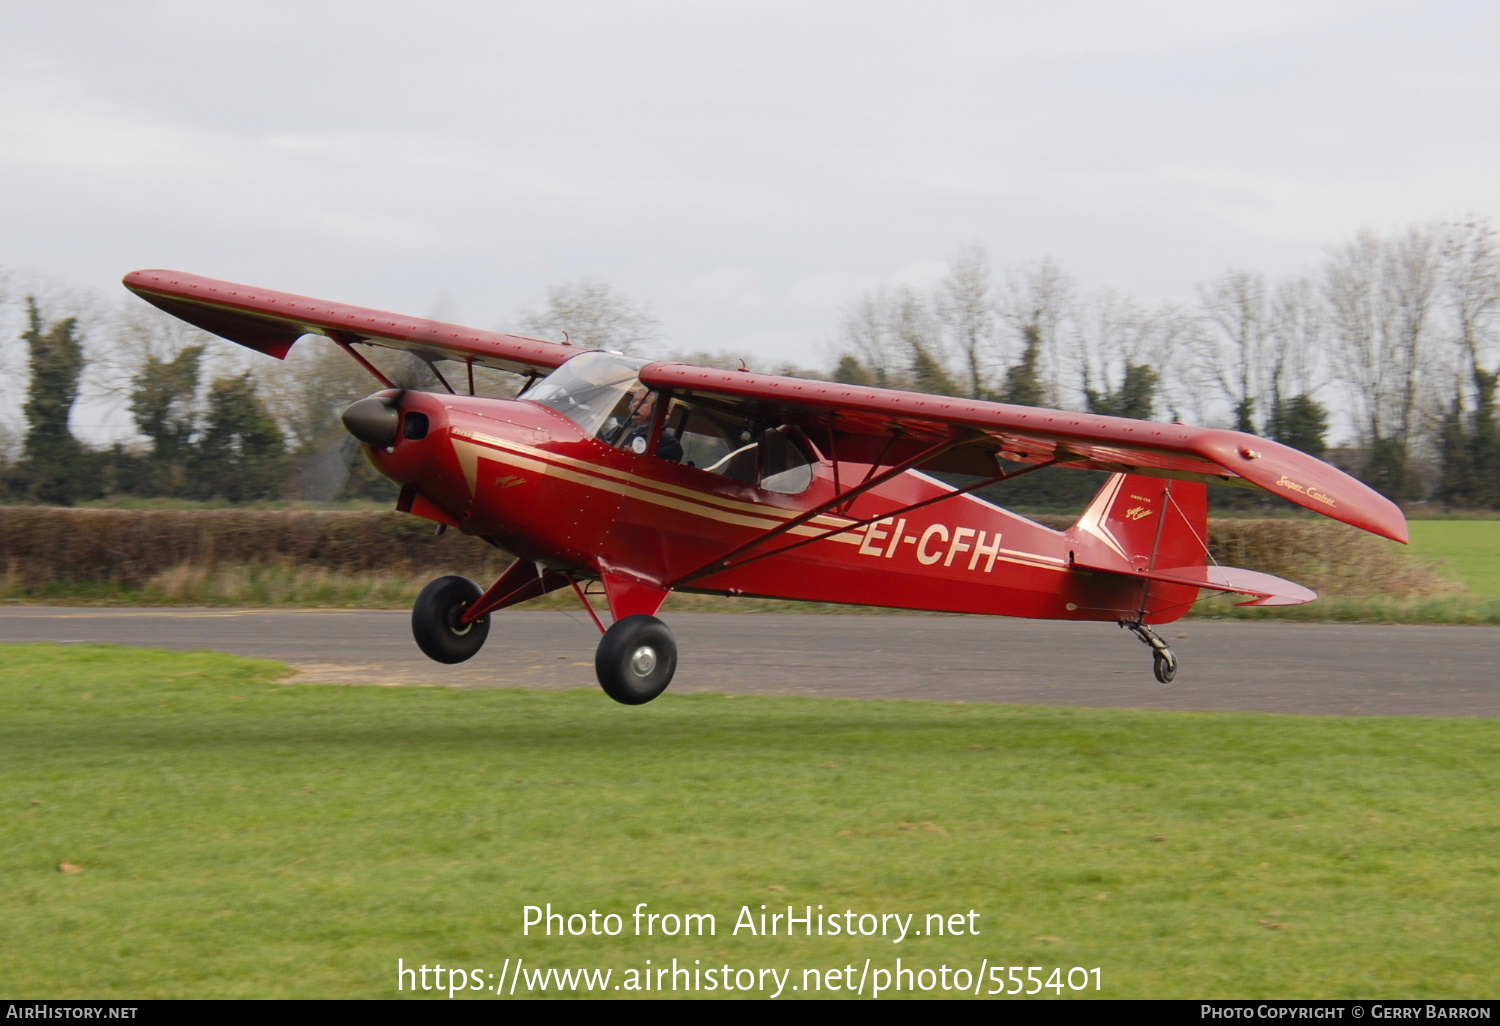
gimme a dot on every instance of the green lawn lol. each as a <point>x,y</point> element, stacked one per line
<point>223,835</point>
<point>1468,548</point>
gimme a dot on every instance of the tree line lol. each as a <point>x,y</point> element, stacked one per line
<point>205,422</point>
<point>1384,359</point>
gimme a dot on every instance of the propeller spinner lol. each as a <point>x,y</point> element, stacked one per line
<point>375,419</point>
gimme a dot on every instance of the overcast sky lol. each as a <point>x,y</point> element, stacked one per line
<point>744,169</point>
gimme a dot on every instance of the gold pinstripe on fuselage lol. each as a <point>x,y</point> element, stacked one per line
<point>469,446</point>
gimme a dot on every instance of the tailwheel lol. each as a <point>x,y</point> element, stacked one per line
<point>1164,665</point>
<point>437,620</point>
<point>1163,659</point>
<point>636,659</point>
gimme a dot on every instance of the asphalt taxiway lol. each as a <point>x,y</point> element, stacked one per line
<point>1341,669</point>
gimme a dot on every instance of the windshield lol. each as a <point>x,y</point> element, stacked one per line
<point>592,389</point>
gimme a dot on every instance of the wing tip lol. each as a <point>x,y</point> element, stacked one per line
<point>1379,515</point>
<point>1305,480</point>
<point>1400,533</point>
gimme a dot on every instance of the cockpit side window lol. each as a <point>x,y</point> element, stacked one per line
<point>634,424</point>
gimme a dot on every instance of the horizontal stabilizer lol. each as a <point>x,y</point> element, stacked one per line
<point>1268,589</point>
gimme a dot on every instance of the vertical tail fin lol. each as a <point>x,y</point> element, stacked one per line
<point>1149,523</point>
<point>1146,527</point>
<point>1155,530</point>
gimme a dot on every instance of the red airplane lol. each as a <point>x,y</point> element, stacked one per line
<point>650,477</point>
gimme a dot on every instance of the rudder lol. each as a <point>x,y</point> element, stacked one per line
<point>1139,526</point>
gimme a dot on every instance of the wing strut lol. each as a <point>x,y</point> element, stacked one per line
<point>864,485</point>
<point>346,343</point>
<point>720,563</point>
<point>833,452</point>
<point>432,366</point>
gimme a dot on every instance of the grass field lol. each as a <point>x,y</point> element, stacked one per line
<point>180,825</point>
<point>1470,549</point>
<point>1467,551</point>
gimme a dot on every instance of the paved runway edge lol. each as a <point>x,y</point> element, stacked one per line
<point>1300,668</point>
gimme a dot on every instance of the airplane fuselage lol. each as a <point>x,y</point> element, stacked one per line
<point>532,481</point>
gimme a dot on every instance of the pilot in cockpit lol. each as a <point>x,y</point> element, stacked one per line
<point>637,434</point>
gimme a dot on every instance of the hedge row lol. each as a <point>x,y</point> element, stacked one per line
<point>130,548</point>
<point>1333,559</point>
<point>40,546</point>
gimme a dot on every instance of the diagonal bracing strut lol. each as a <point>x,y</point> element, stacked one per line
<point>719,563</point>
<point>965,490</point>
<point>728,561</point>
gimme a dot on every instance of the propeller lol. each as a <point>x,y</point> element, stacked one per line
<point>375,419</point>
<point>324,475</point>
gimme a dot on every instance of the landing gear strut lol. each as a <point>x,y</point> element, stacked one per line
<point>1163,659</point>
<point>437,620</point>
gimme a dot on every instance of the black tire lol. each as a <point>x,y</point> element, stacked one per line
<point>435,620</point>
<point>1165,667</point>
<point>636,659</point>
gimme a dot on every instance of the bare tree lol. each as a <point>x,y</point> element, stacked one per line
<point>12,371</point>
<point>1232,353</point>
<point>965,305</point>
<point>139,332</point>
<point>1035,302</point>
<point>914,328</point>
<point>1124,353</point>
<point>594,316</point>
<point>308,390</point>
<point>865,334</point>
<point>1296,367</point>
<point>1469,438</point>
<point>1380,296</point>
<point>1471,285</point>
<point>55,302</point>
<point>1296,340</point>
<point>892,339</point>
<point>133,343</point>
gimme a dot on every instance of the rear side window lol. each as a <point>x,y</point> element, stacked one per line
<point>741,447</point>
<point>785,468</point>
<point>715,441</point>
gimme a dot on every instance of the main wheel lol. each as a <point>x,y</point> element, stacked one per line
<point>1164,665</point>
<point>435,620</point>
<point>636,659</point>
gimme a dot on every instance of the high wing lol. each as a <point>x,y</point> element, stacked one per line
<point>970,436</point>
<point>871,425</point>
<point>271,322</point>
